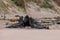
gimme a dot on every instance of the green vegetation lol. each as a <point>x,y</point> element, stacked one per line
<point>21,4</point>
<point>18,2</point>
<point>46,4</point>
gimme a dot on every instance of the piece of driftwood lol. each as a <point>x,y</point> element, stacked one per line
<point>27,22</point>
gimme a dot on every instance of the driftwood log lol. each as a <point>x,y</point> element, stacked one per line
<point>27,22</point>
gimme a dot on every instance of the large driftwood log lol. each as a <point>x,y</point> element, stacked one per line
<point>27,22</point>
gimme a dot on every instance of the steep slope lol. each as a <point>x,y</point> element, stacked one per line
<point>3,7</point>
<point>10,9</point>
<point>37,12</point>
<point>33,9</point>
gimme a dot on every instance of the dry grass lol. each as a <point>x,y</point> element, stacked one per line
<point>3,6</point>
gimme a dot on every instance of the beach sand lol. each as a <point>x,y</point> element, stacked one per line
<point>29,34</point>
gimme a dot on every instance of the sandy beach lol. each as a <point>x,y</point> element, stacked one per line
<point>29,34</point>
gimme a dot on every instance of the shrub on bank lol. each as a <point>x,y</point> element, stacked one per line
<point>46,4</point>
<point>18,2</point>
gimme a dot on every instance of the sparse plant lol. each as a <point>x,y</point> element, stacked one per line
<point>21,3</point>
<point>46,4</point>
<point>18,2</point>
